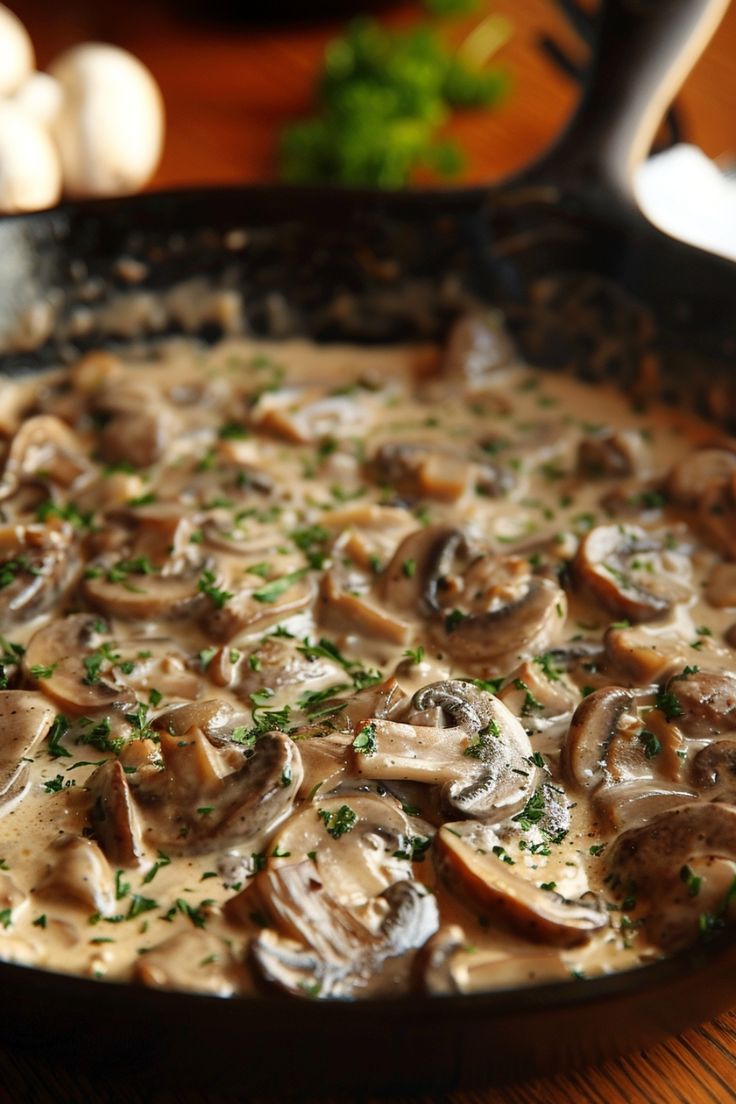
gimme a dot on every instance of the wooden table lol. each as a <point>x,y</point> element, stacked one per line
<point>227,91</point>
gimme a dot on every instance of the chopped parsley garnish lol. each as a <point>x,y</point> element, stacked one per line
<point>692,881</point>
<point>57,732</point>
<point>208,585</point>
<point>414,849</point>
<point>338,821</point>
<point>650,742</point>
<point>271,592</point>
<point>532,812</point>
<point>670,706</point>
<point>415,655</point>
<point>162,860</point>
<point>481,745</point>
<point>365,741</point>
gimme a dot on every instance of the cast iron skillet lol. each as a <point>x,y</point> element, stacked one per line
<point>587,286</point>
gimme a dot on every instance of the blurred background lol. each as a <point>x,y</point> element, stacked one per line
<point>236,77</point>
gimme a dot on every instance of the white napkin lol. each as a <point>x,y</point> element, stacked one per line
<point>685,194</point>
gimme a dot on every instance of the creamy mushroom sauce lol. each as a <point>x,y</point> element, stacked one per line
<point>348,671</point>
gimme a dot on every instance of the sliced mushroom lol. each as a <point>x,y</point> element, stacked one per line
<point>493,640</point>
<point>132,591</point>
<point>25,718</point>
<point>615,563</point>
<point>331,951</point>
<point>139,428</point>
<point>214,717</point>
<point>250,610</point>
<point>78,872</point>
<point>483,763</point>
<point>60,650</point>
<point>206,798</point>
<point>631,804</point>
<point>713,771</point>
<point>721,588</point>
<point>306,415</point>
<point>641,654</point>
<point>615,454</point>
<point>604,717</point>
<point>697,473</point>
<point>540,699</point>
<point>539,914</point>
<point>701,703</point>
<point>649,862</point>
<point>276,663</point>
<point>422,470</point>
<point>349,613</point>
<point>44,444</point>
<point>353,840</point>
<point>38,564</point>
<point>415,591</point>
<point>113,815</point>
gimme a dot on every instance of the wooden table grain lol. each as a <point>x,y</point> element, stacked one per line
<point>227,91</point>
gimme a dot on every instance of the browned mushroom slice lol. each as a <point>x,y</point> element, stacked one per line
<point>386,700</point>
<point>605,716</point>
<point>44,444</point>
<point>38,564</point>
<point>133,591</point>
<point>414,590</point>
<point>642,654</point>
<point>701,703</point>
<point>304,415</point>
<point>139,428</point>
<point>495,639</point>
<point>539,692</point>
<point>630,804</point>
<point>610,454</point>
<point>329,951</point>
<point>66,653</point>
<point>206,798</point>
<point>25,718</point>
<point>78,872</point>
<point>622,566</point>
<point>449,965</point>
<point>345,612</point>
<point>113,816</point>
<point>721,588</point>
<point>655,862</point>
<point>214,717</point>
<point>540,914</point>
<point>697,473</point>
<point>276,663</point>
<point>359,843</point>
<point>197,961</point>
<point>158,532</point>
<point>419,470</point>
<point>713,771</point>
<point>251,610</point>
<point>483,762</point>
<point>325,762</point>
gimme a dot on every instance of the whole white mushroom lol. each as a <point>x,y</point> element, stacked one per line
<point>30,172</point>
<point>39,96</point>
<point>16,52</point>
<point>109,129</point>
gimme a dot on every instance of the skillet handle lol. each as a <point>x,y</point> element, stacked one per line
<point>644,51</point>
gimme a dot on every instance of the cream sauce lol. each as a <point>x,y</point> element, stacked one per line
<point>264,489</point>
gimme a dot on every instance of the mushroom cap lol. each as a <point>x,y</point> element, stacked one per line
<point>30,174</point>
<point>110,128</point>
<point>699,472</point>
<point>17,58</point>
<point>40,97</point>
